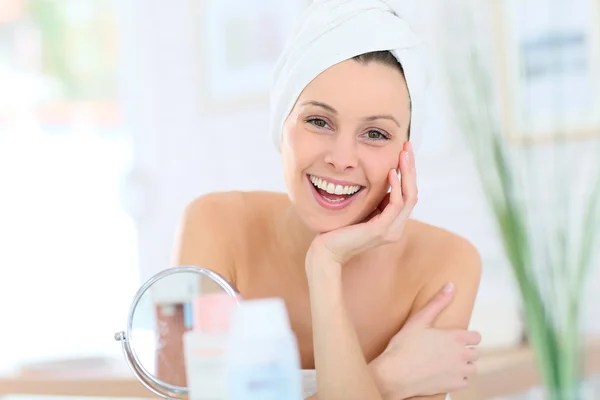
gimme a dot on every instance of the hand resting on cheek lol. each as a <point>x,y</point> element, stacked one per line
<point>384,226</point>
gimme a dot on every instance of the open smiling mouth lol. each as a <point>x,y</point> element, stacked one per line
<point>333,196</point>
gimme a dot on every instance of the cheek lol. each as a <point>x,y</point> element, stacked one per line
<point>295,156</point>
<point>378,168</point>
<point>298,148</point>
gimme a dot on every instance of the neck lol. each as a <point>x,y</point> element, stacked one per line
<point>294,236</point>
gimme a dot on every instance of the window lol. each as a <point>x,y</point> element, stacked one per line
<point>68,252</point>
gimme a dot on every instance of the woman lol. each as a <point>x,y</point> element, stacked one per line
<point>356,273</point>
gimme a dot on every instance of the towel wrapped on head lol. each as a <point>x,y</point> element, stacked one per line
<point>331,31</point>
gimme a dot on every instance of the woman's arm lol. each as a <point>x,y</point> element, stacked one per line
<point>463,268</point>
<point>375,370</point>
<point>421,359</point>
<point>342,371</point>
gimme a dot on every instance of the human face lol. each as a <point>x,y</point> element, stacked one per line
<point>345,133</point>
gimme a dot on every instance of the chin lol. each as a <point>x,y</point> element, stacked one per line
<point>321,214</point>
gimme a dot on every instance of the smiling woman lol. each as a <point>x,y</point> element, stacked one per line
<point>339,163</point>
<point>367,288</point>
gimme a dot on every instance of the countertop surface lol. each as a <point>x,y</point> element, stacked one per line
<point>501,372</point>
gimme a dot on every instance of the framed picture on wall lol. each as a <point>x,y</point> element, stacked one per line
<point>240,42</point>
<point>549,62</point>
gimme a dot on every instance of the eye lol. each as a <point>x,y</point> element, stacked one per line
<point>376,135</point>
<point>318,122</point>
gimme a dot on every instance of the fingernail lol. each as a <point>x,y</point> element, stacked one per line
<point>449,287</point>
<point>407,157</point>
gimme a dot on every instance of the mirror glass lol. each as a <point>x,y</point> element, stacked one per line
<point>162,311</point>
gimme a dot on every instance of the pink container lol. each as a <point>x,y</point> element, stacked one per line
<point>212,312</point>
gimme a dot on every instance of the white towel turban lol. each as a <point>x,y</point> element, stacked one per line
<point>331,31</point>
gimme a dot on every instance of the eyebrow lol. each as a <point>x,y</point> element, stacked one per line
<point>334,111</point>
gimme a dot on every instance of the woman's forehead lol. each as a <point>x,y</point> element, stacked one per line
<point>352,86</point>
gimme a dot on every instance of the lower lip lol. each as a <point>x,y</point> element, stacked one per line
<point>338,205</point>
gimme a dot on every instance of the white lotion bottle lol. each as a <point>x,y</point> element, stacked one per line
<point>205,347</point>
<point>263,362</point>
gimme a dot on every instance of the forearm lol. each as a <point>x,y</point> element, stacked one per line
<point>342,371</point>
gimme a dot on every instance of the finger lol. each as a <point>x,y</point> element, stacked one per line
<point>459,384</point>
<point>409,190</point>
<point>472,338</point>
<point>395,203</point>
<point>429,313</point>
<point>401,156</point>
<point>403,166</point>
<point>471,355</point>
<point>467,338</point>
<point>396,192</point>
<point>469,370</point>
<point>409,182</point>
<point>396,179</point>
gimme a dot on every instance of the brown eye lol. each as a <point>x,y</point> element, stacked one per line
<point>321,123</point>
<point>376,135</point>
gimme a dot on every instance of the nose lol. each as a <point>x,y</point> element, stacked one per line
<point>342,153</point>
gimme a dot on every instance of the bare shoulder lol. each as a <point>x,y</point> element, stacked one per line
<point>217,208</point>
<point>444,251</point>
<point>214,225</point>
<point>445,257</point>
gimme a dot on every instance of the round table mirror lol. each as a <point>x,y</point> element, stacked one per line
<point>161,312</point>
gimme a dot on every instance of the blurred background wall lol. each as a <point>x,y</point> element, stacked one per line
<point>115,114</point>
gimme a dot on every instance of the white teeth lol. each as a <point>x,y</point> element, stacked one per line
<point>333,189</point>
